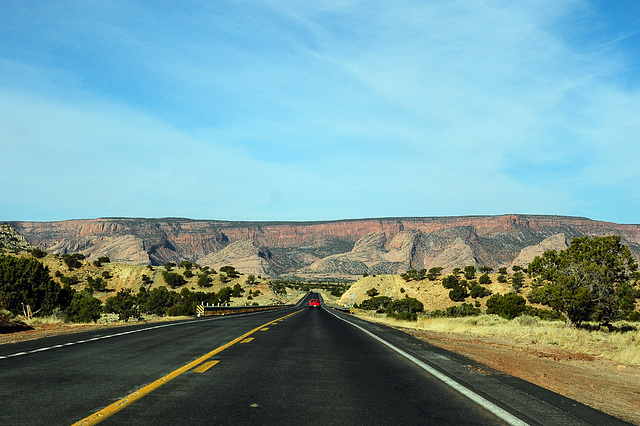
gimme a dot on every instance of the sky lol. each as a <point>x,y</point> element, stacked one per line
<point>278,110</point>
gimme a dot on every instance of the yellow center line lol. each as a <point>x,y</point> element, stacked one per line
<point>247,340</point>
<point>264,329</point>
<point>205,366</point>
<point>99,416</point>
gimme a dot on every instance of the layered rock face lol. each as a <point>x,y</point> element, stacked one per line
<point>10,239</point>
<point>348,247</point>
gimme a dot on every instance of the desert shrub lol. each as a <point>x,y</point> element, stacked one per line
<point>405,309</point>
<point>502,278</point>
<point>230,271</point>
<point>508,306</point>
<point>186,264</point>
<point>26,282</point>
<point>73,260</point>
<point>372,292</point>
<point>83,308</point>
<point>173,279</point>
<point>484,279</point>
<point>204,280</point>
<point>38,254</point>
<point>377,303</point>
<point>458,293</point>
<point>224,295</point>
<point>414,274</point>
<point>545,314</point>
<point>463,310</point>
<point>96,284</point>
<point>187,273</point>
<point>157,301</point>
<point>449,281</point>
<point>125,304</point>
<point>72,280</point>
<point>517,281</point>
<point>480,291</point>
<point>237,291</point>
<point>469,272</point>
<point>434,273</point>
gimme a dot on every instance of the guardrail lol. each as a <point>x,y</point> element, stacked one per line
<point>342,308</point>
<point>203,310</point>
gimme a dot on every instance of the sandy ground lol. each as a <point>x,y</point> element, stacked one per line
<point>602,384</point>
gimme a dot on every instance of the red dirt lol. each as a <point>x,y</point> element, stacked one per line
<point>599,383</point>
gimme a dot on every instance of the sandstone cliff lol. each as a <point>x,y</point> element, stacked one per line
<point>346,247</point>
<point>11,240</point>
<point>246,256</point>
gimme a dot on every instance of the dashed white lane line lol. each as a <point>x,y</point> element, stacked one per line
<point>93,339</point>
<point>124,333</point>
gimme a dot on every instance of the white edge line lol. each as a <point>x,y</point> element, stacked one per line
<point>501,413</point>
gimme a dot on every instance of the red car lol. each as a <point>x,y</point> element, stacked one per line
<point>314,303</point>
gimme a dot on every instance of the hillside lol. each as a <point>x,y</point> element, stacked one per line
<point>117,276</point>
<point>431,293</point>
<point>333,248</point>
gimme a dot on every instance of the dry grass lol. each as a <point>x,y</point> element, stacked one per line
<point>620,347</point>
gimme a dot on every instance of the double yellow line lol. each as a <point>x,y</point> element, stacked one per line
<point>99,416</point>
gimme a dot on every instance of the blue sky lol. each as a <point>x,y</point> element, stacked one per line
<point>289,110</point>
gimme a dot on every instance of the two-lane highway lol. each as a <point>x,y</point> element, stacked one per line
<point>291,366</point>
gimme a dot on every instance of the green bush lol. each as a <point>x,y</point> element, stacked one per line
<point>38,254</point>
<point>26,282</point>
<point>73,260</point>
<point>405,309</point>
<point>377,303</point>
<point>372,292</point>
<point>458,293</point>
<point>204,281</point>
<point>464,310</point>
<point>157,301</point>
<point>125,304</point>
<point>96,284</point>
<point>237,291</point>
<point>508,306</point>
<point>545,314</point>
<point>469,272</point>
<point>449,281</point>
<point>480,291</point>
<point>83,308</point>
<point>230,271</point>
<point>173,279</point>
<point>484,279</point>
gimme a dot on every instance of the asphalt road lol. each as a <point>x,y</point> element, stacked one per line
<point>290,366</point>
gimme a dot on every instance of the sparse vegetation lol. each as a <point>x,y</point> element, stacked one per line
<point>173,279</point>
<point>593,279</point>
<point>405,309</point>
<point>507,306</point>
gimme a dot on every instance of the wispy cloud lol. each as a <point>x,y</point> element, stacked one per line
<point>289,110</point>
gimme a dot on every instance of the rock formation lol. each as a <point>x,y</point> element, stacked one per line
<point>345,247</point>
<point>555,242</point>
<point>245,255</point>
<point>11,240</point>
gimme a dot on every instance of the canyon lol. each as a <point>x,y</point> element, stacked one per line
<point>345,248</point>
